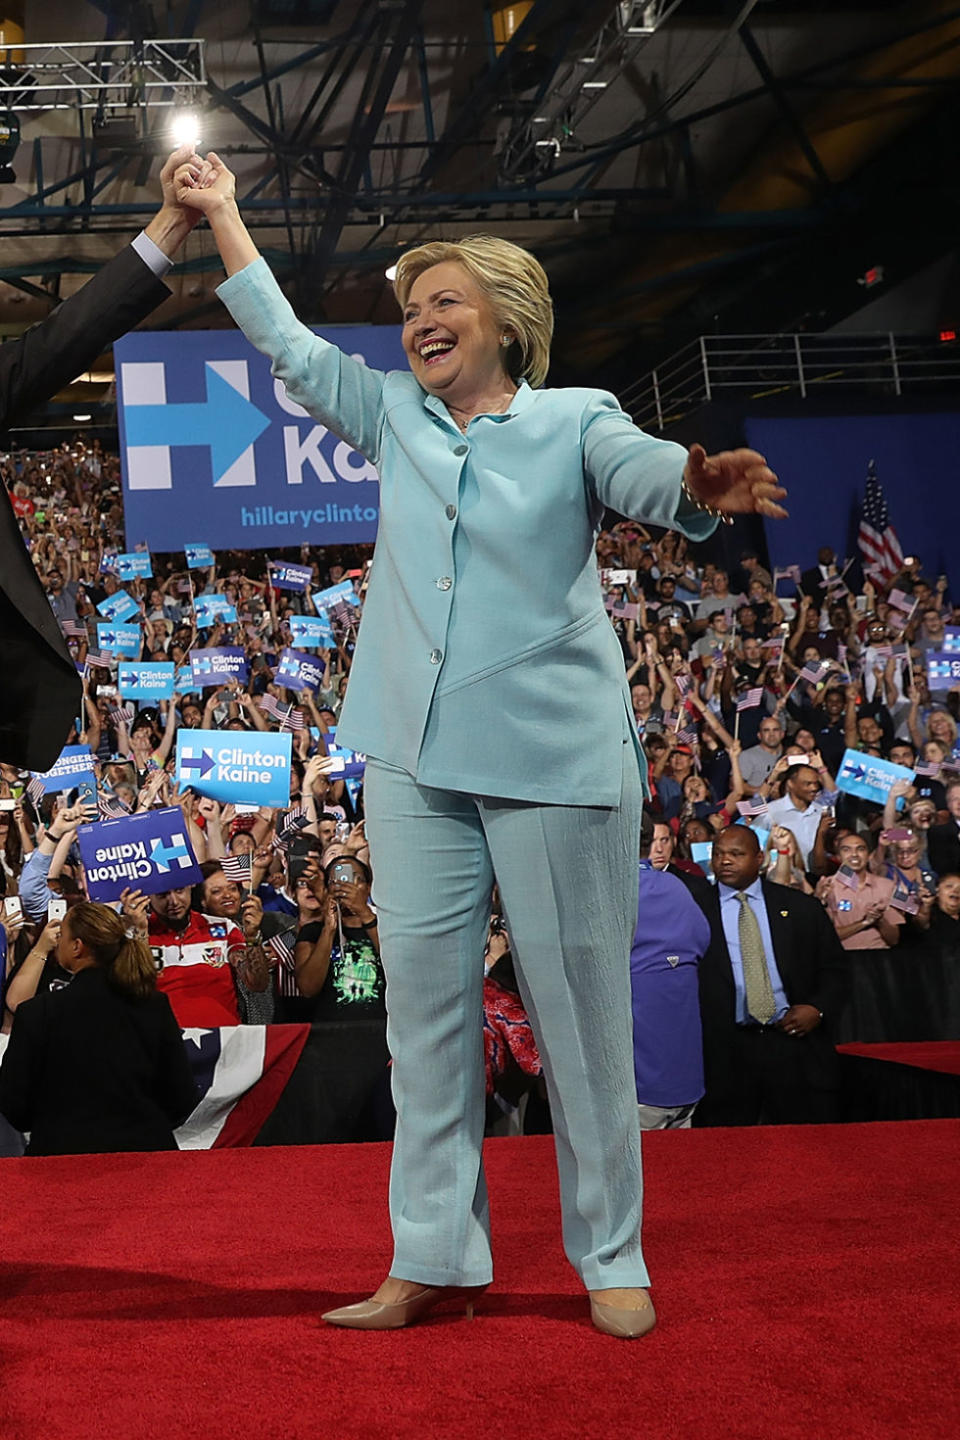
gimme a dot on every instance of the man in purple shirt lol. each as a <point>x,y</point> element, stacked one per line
<point>671,936</point>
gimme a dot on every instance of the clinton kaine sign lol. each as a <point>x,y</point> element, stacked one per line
<point>231,766</point>
<point>203,424</point>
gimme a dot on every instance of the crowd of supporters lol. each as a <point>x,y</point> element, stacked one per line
<point>747,690</point>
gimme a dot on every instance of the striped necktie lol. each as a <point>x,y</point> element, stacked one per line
<point>756,977</point>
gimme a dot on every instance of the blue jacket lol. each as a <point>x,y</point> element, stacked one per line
<point>485,661</point>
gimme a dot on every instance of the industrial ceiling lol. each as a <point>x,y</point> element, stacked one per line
<point>678,165</point>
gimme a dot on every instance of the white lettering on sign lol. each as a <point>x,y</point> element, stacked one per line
<point>297,452</point>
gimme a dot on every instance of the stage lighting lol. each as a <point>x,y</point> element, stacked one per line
<point>9,140</point>
<point>185,129</point>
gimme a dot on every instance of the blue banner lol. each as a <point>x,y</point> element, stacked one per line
<point>204,425</point>
<point>334,595</point>
<point>951,639</point>
<point>348,764</point>
<point>136,565</point>
<point>870,778</point>
<point>119,607</point>
<point>208,609</point>
<point>229,765</point>
<point>299,671</point>
<point>943,669</point>
<point>153,681</point>
<point>289,577</point>
<point>149,852</point>
<point>219,665</point>
<point>312,630</point>
<point>73,767</point>
<point>199,557</point>
<point>184,683</point>
<point>120,639</point>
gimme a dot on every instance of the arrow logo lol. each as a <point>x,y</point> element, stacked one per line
<point>202,762</point>
<point>226,422</point>
<point>163,856</point>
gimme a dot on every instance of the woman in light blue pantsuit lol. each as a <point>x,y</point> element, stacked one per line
<point>488,693</point>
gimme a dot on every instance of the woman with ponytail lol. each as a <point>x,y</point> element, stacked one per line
<point>98,1066</point>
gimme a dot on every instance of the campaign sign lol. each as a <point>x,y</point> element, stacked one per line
<point>951,639</point>
<point>217,665</point>
<point>183,682</point>
<point>135,566</point>
<point>208,609</point>
<point>870,778</point>
<point>119,639</point>
<point>943,669</point>
<point>205,429</point>
<point>289,577</point>
<point>701,853</point>
<point>119,607</point>
<point>348,764</point>
<point>149,852</point>
<point>153,681</point>
<point>314,630</point>
<point>72,767</point>
<point>299,671</point>
<point>199,557</point>
<point>228,765</point>
<point>334,595</point>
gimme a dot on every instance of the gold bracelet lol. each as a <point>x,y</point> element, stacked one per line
<point>710,510</point>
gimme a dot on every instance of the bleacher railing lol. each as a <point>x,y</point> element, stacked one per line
<point>760,367</point>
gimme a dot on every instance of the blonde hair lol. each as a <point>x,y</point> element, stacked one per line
<point>514,285</point>
<point>127,959</point>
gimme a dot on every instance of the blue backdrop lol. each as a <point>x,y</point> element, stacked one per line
<point>823,462</point>
<point>213,450</point>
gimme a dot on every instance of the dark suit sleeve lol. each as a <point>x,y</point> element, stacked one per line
<point>943,848</point>
<point>175,1090</point>
<point>22,1064</point>
<point>59,348</point>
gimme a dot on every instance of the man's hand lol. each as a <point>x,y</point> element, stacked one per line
<point>173,221</point>
<point>203,185</point>
<point>736,482</point>
<point>800,1020</point>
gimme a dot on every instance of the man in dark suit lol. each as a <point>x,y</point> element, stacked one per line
<point>42,687</point>
<point>813,582</point>
<point>943,841</point>
<point>772,984</point>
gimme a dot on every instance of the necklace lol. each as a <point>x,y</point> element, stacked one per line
<point>499,410</point>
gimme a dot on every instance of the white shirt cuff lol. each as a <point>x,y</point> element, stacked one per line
<point>151,255</point>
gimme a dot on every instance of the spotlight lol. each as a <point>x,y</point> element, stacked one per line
<point>83,417</point>
<point>185,129</point>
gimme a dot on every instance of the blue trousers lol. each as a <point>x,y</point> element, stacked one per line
<point>568,882</point>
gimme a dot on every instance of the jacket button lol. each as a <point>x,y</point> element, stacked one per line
<point>451,512</point>
<point>435,657</point>
<point>460,450</point>
<point>444,582</point>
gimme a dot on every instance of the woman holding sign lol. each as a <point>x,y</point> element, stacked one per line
<point>488,693</point>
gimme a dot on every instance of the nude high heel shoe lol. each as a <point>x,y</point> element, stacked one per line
<point>625,1324</point>
<point>375,1315</point>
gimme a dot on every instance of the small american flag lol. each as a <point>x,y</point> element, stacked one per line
<point>36,791</point>
<point>291,719</point>
<point>750,699</point>
<point>929,769</point>
<point>98,660</point>
<point>268,704</point>
<point>293,822</point>
<point>74,630</point>
<point>684,684</point>
<point>814,671</point>
<point>789,572</point>
<point>688,736</point>
<point>876,537</point>
<point>111,807</point>
<point>122,715</point>
<point>900,600</point>
<point>281,949</point>
<point>237,867</point>
<point>752,808</point>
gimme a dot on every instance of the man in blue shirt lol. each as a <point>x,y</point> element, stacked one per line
<point>772,984</point>
<point>671,936</point>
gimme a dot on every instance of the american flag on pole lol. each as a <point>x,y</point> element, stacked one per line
<point>877,538</point>
<point>750,698</point>
<point>111,807</point>
<point>74,630</point>
<point>280,947</point>
<point>752,808</point>
<point>814,671</point>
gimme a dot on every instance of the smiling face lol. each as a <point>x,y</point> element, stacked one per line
<point>852,851</point>
<point>948,895</point>
<point>450,334</point>
<point>803,786</point>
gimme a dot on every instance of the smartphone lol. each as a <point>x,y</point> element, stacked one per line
<point>343,870</point>
<point>7,804</point>
<point>56,908</point>
<point>12,907</point>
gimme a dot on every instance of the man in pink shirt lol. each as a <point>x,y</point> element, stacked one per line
<point>858,903</point>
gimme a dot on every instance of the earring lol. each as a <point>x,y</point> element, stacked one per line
<point>506,340</point>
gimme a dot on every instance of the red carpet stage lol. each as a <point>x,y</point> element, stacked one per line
<point>806,1281</point>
